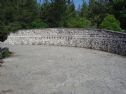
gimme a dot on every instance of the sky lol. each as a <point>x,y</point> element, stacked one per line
<point>77,2</point>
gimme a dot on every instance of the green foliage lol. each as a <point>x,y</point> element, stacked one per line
<point>12,27</point>
<point>78,23</point>
<point>110,23</point>
<point>39,24</point>
<point>5,53</point>
<point>118,9</point>
<point>69,13</point>
<point>53,12</point>
<point>22,14</point>
<point>3,36</point>
<point>56,12</point>
<point>97,11</point>
<point>16,14</point>
<point>84,9</point>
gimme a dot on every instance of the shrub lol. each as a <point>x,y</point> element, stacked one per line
<point>78,23</point>
<point>6,29</point>
<point>111,23</point>
<point>3,36</point>
<point>12,27</point>
<point>5,53</point>
<point>39,24</point>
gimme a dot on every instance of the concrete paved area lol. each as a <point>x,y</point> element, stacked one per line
<point>62,70</point>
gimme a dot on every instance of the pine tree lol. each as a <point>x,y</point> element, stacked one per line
<point>97,11</point>
<point>91,4</point>
<point>53,12</point>
<point>69,13</point>
<point>118,9</point>
<point>84,9</point>
<point>27,12</point>
<point>17,14</point>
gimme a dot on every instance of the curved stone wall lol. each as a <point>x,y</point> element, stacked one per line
<point>94,39</point>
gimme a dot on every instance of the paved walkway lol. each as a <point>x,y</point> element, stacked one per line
<point>62,70</point>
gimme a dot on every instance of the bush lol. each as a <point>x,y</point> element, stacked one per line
<point>3,36</point>
<point>5,53</point>
<point>12,27</point>
<point>6,29</point>
<point>78,23</point>
<point>111,23</point>
<point>39,24</point>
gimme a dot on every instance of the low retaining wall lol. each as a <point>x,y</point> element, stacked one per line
<point>93,39</point>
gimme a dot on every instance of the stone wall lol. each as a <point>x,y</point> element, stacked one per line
<point>94,39</point>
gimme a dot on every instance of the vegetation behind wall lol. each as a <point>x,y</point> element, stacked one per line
<point>28,14</point>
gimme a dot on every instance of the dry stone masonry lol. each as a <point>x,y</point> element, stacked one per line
<point>94,39</point>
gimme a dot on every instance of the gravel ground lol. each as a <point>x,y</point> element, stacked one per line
<point>62,70</point>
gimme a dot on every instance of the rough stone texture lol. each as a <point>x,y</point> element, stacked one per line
<point>93,39</point>
<point>62,70</point>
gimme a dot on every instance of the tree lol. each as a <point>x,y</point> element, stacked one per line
<point>38,23</point>
<point>77,22</point>
<point>17,13</point>
<point>69,13</point>
<point>26,12</point>
<point>118,9</point>
<point>84,9</point>
<point>97,11</point>
<point>91,5</point>
<point>111,23</point>
<point>6,16</point>
<point>52,13</point>
<point>56,12</point>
